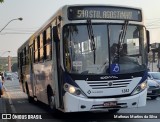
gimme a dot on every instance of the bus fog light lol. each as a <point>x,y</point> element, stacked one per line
<point>78,92</point>
<point>138,89</point>
<point>66,86</point>
<point>71,89</point>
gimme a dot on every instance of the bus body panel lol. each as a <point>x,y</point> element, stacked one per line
<point>43,78</point>
<point>84,104</point>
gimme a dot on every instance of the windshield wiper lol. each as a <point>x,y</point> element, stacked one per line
<point>122,35</point>
<point>91,37</point>
<point>121,39</point>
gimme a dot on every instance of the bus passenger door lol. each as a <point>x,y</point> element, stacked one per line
<point>59,84</point>
<point>21,72</point>
<point>31,71</point>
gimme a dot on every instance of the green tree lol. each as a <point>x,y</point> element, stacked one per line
<point>1,67</point>
<point>1,1</point>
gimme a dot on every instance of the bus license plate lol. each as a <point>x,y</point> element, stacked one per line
<point>110,104</point>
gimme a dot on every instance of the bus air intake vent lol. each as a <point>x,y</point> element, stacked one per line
<point>108,84</point>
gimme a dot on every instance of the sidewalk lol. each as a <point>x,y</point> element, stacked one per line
<point>2,108</point>
<point>2,105</point>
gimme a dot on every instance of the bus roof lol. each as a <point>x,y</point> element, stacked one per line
<point>109,5</point>
<point>63,8</point>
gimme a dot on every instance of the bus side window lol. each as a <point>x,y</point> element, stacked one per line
<point>27,55</point>
<point>21,59</point>
<point>41,48</point>
<point>35,51</point>
<point>44,45</point>
<point>38,43</point>
<point>24,63</point>
<point>48,44</point>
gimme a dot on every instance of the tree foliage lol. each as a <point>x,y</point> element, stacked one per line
<point>1,1</point>
<point>1,67</point>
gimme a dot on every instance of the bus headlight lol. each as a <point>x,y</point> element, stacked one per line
<point>73,90</point>
<point>143,85</point>
<point>140,88</point>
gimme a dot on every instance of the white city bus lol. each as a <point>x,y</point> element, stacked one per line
<point>87,58</point>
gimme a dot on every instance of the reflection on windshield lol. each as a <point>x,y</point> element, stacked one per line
<point>91,38</point>
<point>79,55</point>
<point>126,56</point>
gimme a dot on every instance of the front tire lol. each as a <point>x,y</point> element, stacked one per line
<point>153,98</point>
<point>51,102</point>
<point>30,99</point>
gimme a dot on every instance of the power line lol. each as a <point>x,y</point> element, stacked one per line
<point>15,33</point>
<point>152,19</point>
<point>153,23</point>
<point>21,29</point>
<point>26,30</point>
<point>153,27</point>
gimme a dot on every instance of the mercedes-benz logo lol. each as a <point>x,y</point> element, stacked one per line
<point>110,83</point>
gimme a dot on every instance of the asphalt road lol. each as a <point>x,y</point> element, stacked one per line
<point>17,103</point>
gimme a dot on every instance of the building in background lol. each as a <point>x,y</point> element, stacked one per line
<point>154,57</point>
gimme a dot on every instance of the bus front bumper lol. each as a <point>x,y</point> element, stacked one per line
<point>78,104</point>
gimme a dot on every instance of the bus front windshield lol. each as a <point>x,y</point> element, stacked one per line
<point>100,48</point>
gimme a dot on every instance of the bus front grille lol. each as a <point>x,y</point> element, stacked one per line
<point>108,84</point>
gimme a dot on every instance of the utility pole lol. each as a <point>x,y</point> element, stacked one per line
<point>9,62</point>
<point>9,58</point>
<point>10,22</point>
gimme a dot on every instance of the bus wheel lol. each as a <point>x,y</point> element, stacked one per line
<point>113,110</point>
<point>30,99</point>
<point>51,102</point>
<point>154,97</point>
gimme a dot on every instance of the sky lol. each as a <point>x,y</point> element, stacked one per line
<point>37,12</point>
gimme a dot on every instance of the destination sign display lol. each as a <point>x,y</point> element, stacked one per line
<point>104,12</point>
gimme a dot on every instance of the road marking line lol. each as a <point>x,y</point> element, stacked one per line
<point>11,104</point>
